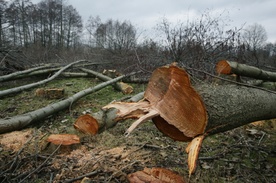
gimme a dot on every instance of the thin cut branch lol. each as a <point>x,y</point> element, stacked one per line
<point>28,86</point>
<point>19,73</point>
<point>126,89</point>
<point>41,165</point>
<point>20,121</point>
<point>82,176</point>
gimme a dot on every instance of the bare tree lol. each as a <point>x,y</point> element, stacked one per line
<point>199,43</point>
<point>254,37</point>
<point>3,6</point>
<point>116,36</point>
<point>92,24</point>
<point>73,26</point>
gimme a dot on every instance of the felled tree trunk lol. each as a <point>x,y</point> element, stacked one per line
<point>21,121</point>
<point>229,67</point>
<point>231,106</point>
<point>227,107</point>
<point>21,73</point>
<point>190,113</point>
<point>75,74</point>
<point>120,86</point>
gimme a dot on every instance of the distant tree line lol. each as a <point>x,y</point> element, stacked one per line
<point>53,30</point>
<point>48,24</point>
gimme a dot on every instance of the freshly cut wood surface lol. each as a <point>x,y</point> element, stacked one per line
<point>229,67</point>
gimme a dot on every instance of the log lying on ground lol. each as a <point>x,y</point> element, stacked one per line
<point>21,121</point>
<point>186,113</point>
<point>135,79</point>
<point>21,73</point>
<point>229,67</point>
<point>47,70</point>
<point>28,86</point>
<point>227,106</point>
<point>38,73</point>
<point>120,86</point>
<point>75,74</point>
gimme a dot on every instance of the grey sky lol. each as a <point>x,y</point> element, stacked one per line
<point>145,14</point>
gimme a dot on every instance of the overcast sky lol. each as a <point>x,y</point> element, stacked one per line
<point>145,14</point>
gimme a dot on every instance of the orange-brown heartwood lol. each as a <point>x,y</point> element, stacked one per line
<point>189,113</point>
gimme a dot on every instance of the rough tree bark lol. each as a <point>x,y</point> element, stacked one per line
<point>186,113</point>
<point>227,106</point>
<point>231,106</point>
<point>230,67</point>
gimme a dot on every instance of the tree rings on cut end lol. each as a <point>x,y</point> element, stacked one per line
<point>170,93</point>
<point>223,67</point>
<point>87,124</point>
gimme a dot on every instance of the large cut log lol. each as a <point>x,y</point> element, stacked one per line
<point>229,67</point>
<point>189,113</point>
<point>21,121</point>
<point>227,106</point>
<point>120,86</point>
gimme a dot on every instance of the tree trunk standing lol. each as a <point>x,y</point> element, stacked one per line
<point>231,106</point>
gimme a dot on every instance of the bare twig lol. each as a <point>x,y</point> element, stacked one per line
<point>261,138</point>
<point>28,86</point>
<point>40,166</point>
<point>82,176</point>
<point>120,170</point>
<point>16,157</point>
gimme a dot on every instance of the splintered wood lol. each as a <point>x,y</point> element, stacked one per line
<point>155,175</point>
<point>193,150</point>
<point>170,92</point>
<point>171,102</point>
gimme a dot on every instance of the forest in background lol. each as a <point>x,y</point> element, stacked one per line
<point>53,31</point>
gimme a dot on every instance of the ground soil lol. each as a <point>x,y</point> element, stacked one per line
<point>245,154</point>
